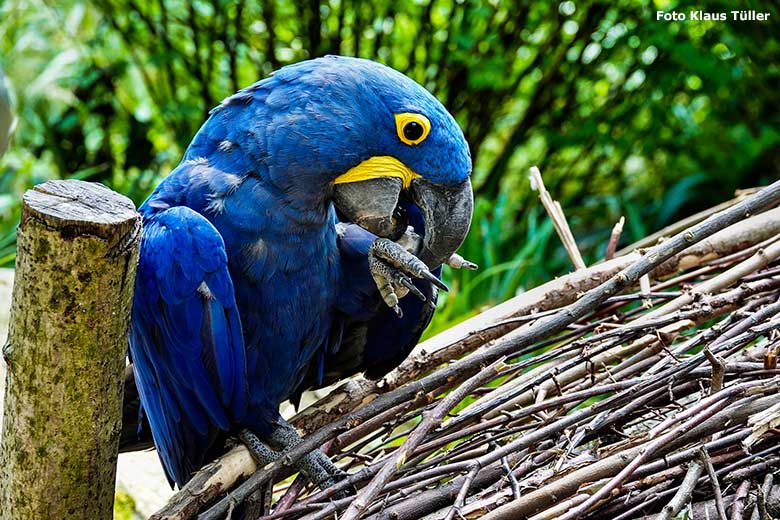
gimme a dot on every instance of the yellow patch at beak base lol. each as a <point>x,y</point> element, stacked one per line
<point>377,167</point>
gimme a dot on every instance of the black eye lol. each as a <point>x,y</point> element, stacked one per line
<point>413,130</point>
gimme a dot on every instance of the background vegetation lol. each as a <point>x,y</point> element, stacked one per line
<point>624,114</point>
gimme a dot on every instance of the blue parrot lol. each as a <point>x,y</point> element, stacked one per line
<point>278,254</point>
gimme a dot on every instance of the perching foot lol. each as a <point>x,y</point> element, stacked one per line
<point>316,466</point>
<point>393,268</point>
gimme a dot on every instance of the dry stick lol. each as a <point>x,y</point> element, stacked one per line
<point>570,482</point>
<point>747,237</point>
<point>707,462</point>
<point>546,327</point>
<point>683,494</point>
<point>614,238</point>
<point>669,461</point>
<point>559,219</point>
<point>759,511</point>
<point>762,423</point>
<point>560,508</point>
<point>429,420</point>
<point>732,474</point>
<point>699,414</point>
<point>762,258</point>
<point>682,225</point>
<point>644,289</point>
<point>740,498</point>
<point>718,371</point>
<point>464,490</point>
<point>748,251</point>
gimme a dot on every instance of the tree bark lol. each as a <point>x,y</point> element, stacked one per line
<point>75,270</point>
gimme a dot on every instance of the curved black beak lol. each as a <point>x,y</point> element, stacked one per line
<point>371,204</point>
<point>447,213</point>
<point>447,210</point>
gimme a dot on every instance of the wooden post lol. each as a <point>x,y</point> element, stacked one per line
<point>75,270</point>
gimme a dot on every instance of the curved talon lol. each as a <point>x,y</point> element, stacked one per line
<point>427,275</point>
<point>398,257</point>
<point>412,288</point>
<point>458,262</point>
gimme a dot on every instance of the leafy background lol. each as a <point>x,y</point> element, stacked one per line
<point>625,115</point>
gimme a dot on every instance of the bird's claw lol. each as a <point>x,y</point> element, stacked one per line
<point>458,262</point>
<point>316,466</point>
<point>393,268</point>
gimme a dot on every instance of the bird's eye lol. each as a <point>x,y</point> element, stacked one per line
<point>412,128</point>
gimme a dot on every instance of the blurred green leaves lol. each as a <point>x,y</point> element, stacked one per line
<point>625,115</point>
<point>7,119</point>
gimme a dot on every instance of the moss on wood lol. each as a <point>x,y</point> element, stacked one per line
<point>65,355</point>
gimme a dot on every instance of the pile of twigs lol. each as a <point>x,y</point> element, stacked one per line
<point>593,396</point>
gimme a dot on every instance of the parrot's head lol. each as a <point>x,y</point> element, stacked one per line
<point>359,135</point>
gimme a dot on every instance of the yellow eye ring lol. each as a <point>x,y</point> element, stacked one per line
<point>412,129</point>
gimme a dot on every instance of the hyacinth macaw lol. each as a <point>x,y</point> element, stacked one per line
<point>276,256</point>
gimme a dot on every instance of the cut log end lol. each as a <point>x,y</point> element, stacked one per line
<point>76,207</point>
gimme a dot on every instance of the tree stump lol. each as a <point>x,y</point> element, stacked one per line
<point>75,271</point>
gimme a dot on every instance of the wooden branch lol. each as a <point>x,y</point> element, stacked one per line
<point>753,230</point>
<point>614,238</point>
<point>207,484</point>
<point>609,466</point>
<point>719,506</point>
<point>555,211</point>
<point>687,222</point>
<point>430,420</point>
<point>684,492</point>
<point>762,258</point>
<point>75,272</point>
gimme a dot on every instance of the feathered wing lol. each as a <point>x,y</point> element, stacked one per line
<point>186,339</point>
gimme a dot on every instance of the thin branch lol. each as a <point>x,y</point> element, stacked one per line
<point>707,462</point>
<point>555,211</point>
<point>429,420</point>
<point>614,238</point>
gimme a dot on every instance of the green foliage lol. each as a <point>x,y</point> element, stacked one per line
<point>124,507</point>
<point>625,115</point>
